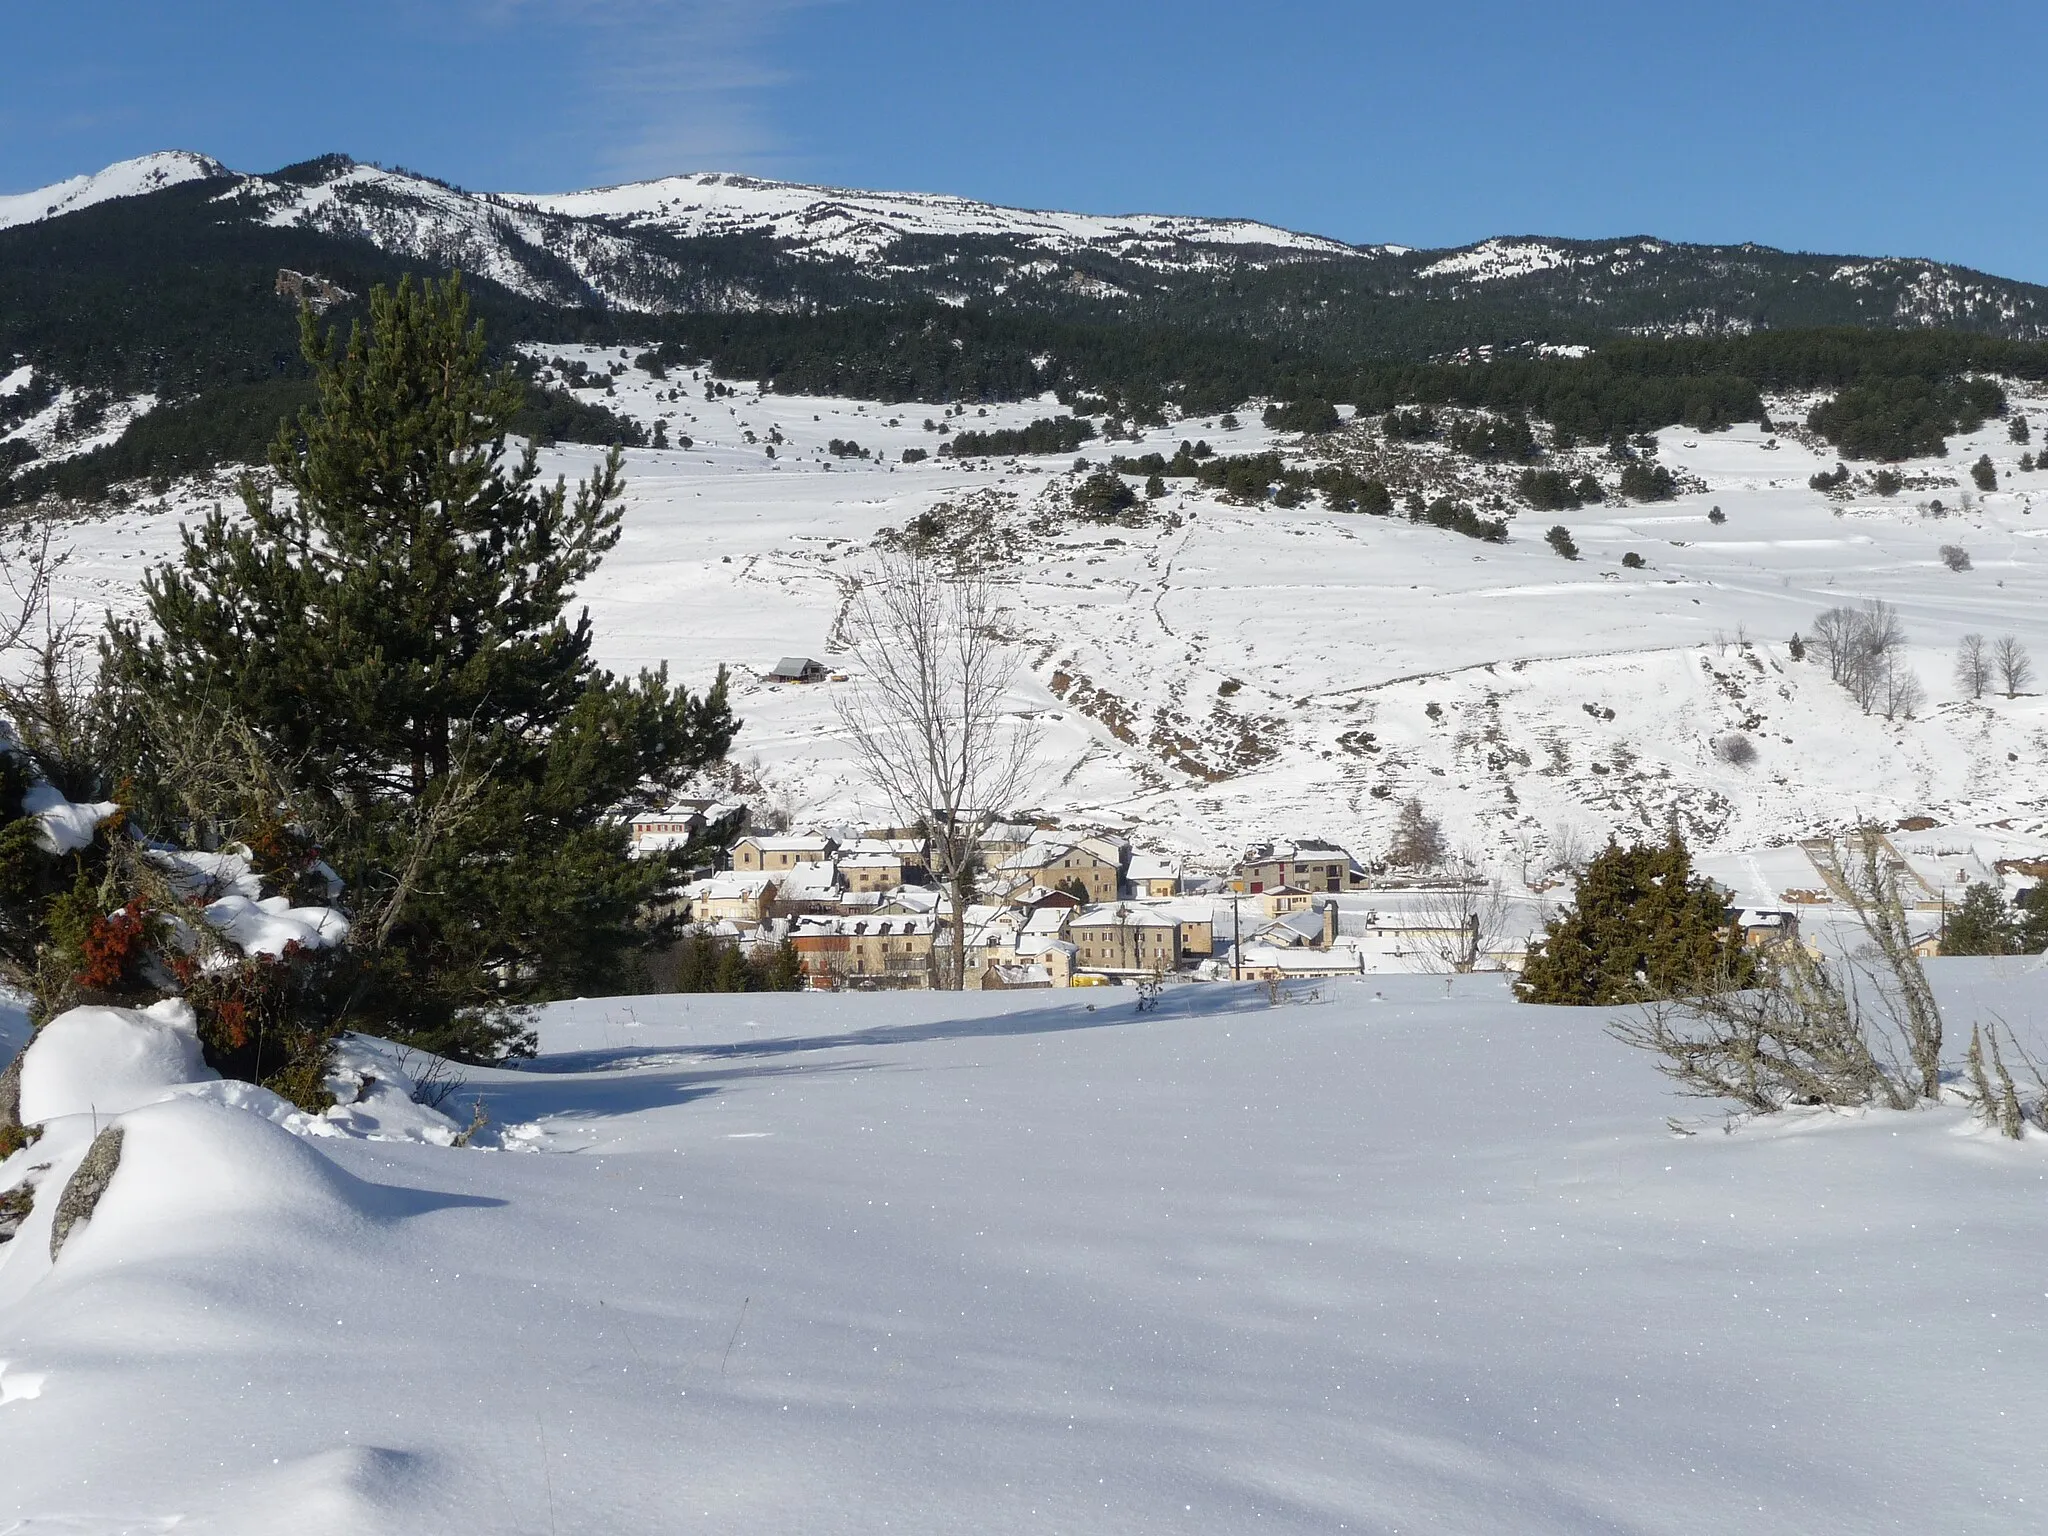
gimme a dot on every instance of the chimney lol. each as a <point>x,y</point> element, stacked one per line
<point>1329,923</point>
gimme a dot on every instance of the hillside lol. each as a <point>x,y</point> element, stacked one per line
<point>1208,670</point>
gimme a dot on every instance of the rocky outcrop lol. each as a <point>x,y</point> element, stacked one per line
<point>82,1194</point>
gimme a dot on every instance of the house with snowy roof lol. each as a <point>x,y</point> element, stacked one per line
<point>1309,863</point>
<point>776,851</point>
<point>1152,874</point>
<point>1125,936</point>
<point>743,899</point>
<point>865,952</point>
<point>1089,864</point>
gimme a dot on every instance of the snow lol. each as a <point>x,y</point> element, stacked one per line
<point>65,826</point>
<point>862,226</point>
<point>1340,631</point>
<point>268,926</point>
<point>1404,1257</point>
<point>124,178</point>
<point>102,1061</point>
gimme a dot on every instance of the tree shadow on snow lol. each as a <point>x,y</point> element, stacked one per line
<point>1121,1009</point>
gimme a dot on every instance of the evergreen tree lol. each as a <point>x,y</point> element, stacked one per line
<point>1560,539</point>
<point>1641,926</point>
<point>396,631</point>
<point>1985,476</point>
<point>2030,920</point>
<point>1980,925</point>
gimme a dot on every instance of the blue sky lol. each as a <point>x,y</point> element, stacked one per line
<point>1877,128</point>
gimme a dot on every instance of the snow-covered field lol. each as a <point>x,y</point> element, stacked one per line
<point>1404,1257</point>
<point>1225,672</point>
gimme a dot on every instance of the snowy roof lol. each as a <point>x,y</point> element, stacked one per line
<point>791,843</point>
<point>1294,849</point>
<point>828,926</point>
<point>1008,832</point>
<point>811,881</point>
<point>728,887</point>
<point>871,860</point>
<point>1123,914</point>
<point>901,847</point>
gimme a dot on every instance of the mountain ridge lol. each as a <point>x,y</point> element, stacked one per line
<point>634,247</point>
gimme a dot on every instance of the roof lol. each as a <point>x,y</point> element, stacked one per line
<point>861,927</point>
<point>795,666</point>
<point>1123,914</point>
<point>1044,848</point>
<point>673,813</point>
<point>728,887</point>
<point>1292,850</point>
<point>1008,832</point>
<point>901,847</point>
<point>1294,928</point>
<point>1153,866</point>
<point>779,843</point>
<point>871,861</point>
<point>810,881</point>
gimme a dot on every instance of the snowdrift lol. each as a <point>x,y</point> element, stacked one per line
<point>1394,1255</point>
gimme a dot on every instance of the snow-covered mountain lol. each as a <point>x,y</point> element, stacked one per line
<point>124,178</point>
<point>865,226</point>
<point>717,242</point>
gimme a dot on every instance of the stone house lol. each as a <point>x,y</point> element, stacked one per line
<point>1123,937</point>
<point>742,899</point>
<point>1151,874</point>
<point>1309,863</point>
<point>1053,862</point>
<point>759,851</point>
<point>865,952</point>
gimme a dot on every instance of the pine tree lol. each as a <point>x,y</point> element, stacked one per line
<point>2030,920</point>
<point>396,630</point>
<point>1980,925</point>
<point>1641,926</point>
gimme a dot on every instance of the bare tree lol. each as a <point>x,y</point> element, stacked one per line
<point>1834,641</point>
<point>2015,668</point>
<point>928,723</point>
<point>53,694</point>
<point>1859,647</point>
<point>1973,665</point>
<point>1898,692</point>
<point>1811,1031</point>
<point>1867,874</point>
<point>1570,849</point>
<point>1466,922</point>
<point>1418,838</point>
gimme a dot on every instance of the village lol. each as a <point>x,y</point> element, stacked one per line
<point>1055,906</point>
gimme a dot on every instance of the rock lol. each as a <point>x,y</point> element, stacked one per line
<point>15,1204</point>
<point>95,1172</point>
<point>10,1094</point>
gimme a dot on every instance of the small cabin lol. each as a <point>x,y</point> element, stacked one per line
<point>798,669</point>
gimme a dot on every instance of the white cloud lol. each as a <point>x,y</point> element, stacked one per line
<point>674,85</point>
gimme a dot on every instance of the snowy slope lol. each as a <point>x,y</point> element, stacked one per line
<point>125,178</point>
<point>546,257</point>
<point>1407,1258</point>
<point>1258,671</point>
<point>831,221</point>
